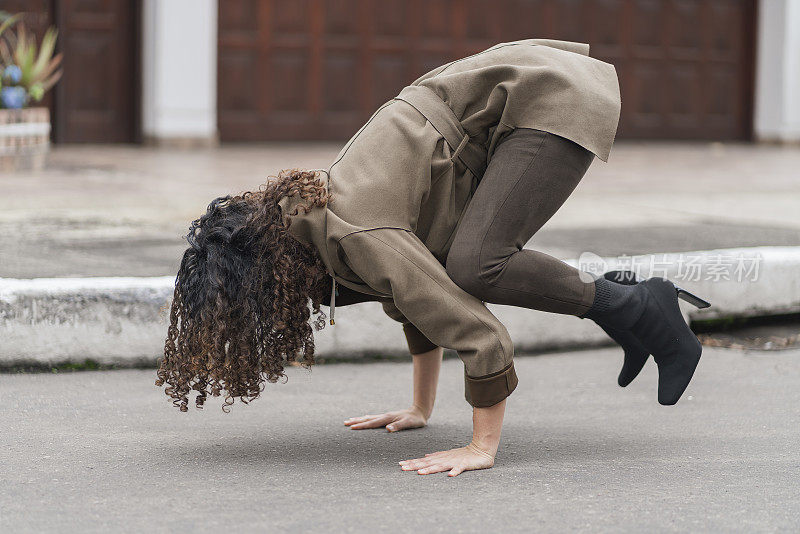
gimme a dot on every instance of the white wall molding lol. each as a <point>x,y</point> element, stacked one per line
<point>179,70</point>
<point>777,95</point>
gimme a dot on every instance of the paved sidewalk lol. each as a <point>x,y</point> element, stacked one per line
<point>122,211</point>
<point>104,451</point>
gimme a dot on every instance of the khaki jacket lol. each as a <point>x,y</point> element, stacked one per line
<point>401,184</point>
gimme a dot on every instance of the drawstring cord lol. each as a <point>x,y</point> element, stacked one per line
<point>333,298</point>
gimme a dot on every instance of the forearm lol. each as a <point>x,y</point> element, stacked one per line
<point>487,424</point>
<point>426,378</point>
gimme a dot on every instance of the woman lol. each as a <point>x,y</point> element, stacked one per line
<point>426,210</point>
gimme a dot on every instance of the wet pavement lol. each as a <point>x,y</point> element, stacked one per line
<point>122,211</point>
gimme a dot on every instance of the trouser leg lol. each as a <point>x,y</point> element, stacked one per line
<point>529,177</point>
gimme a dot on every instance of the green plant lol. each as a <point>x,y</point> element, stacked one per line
<point>38,68</point>
<point>6,20</point>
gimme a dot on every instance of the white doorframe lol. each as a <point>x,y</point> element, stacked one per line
<point>179,71</point>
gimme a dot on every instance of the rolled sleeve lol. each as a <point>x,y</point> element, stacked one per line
<point>395,261</point>
<point>488,390</point>
<point>416,340</point>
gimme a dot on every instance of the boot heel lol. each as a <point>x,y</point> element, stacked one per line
<point>692,299</point>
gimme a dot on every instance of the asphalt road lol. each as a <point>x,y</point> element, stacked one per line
<point>104,451</point>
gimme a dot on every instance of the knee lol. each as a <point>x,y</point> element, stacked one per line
<point>463,268</point>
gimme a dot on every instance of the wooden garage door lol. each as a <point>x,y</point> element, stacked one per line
<point>316,69</point>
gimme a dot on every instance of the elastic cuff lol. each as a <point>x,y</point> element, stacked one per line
<point>603,295</point>
<point>417,342</point>
<point>485,391</point>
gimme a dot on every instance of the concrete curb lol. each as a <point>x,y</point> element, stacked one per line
<point>123,320</point>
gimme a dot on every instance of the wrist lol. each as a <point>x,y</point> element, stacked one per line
<point>487,426</point>
<point>480,451</point>
<point>487,445</point>
<point>422,411</point>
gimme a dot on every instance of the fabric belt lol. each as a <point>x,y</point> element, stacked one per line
<point>439,114</point>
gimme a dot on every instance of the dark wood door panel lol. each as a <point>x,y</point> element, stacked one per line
<point>316,69</point>
<point>97,99</point>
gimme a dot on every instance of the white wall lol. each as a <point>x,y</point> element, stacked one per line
<point>179,70</point>
<point>777,98</point>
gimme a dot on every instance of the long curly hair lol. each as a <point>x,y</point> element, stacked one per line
<point>240,309</point>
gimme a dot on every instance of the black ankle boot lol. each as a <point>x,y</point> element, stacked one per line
<point>649,311</point>
<point>635,355</point>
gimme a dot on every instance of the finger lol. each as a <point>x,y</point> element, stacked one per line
<point>415,460</point>
<point>372,423</point>
<point>400,424</point>
<point>411,460</point>
<point>359,424</point>
<point>415,464</point>
<point>454,472</point>
<point>353,420</point>
<point>435,468</point>
<point>362,418</point>
<point>410,466</point>
<point>439,453</point>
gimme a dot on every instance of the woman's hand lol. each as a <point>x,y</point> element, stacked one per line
<point>487,424</point>
<point>393,421</point>
<point>426,376</point>
<point>456,461</point>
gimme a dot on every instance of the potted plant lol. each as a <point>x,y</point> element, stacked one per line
<point>27,71</point>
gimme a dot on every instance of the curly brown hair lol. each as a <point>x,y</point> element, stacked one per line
<point>240,309</point>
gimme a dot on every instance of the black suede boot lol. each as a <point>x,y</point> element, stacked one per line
<point>635,355</point>
<point>649,311</point>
